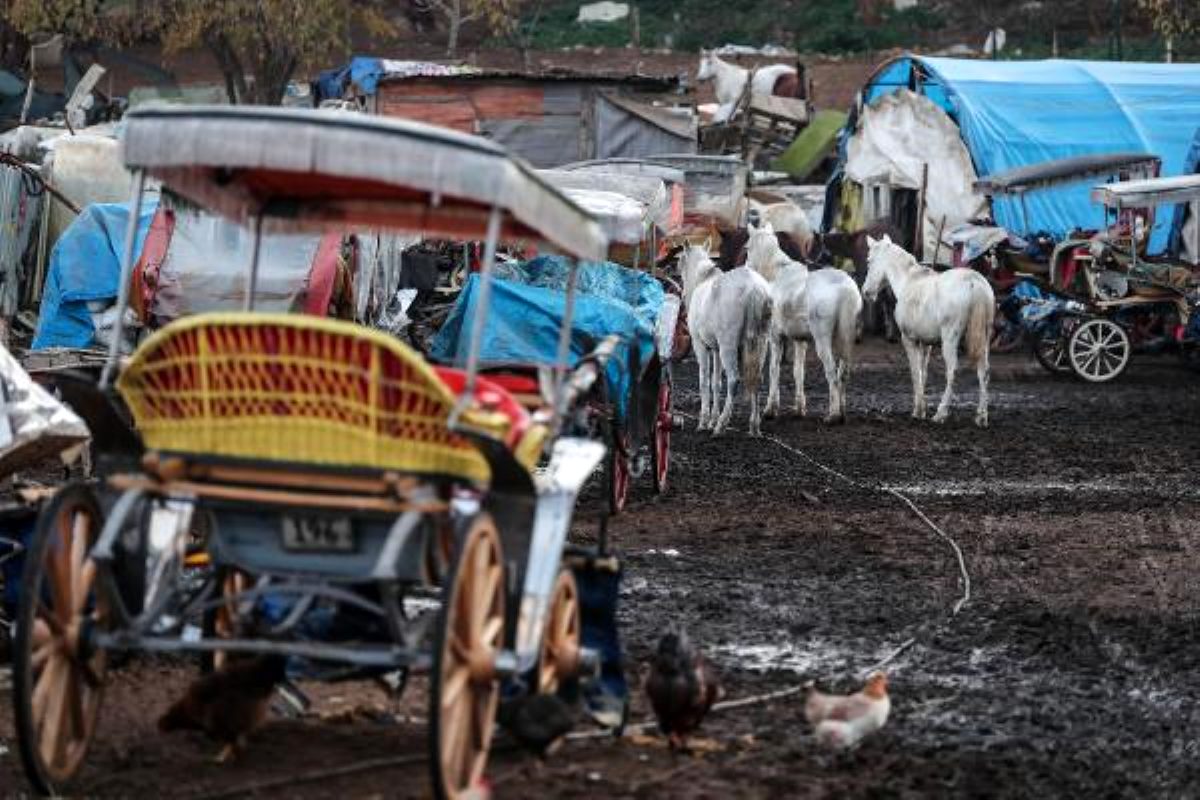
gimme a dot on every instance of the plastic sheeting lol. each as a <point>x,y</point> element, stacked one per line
<point>622,218</point>
<point>33,425</point>
<point>527,307</point>
<point>207,260</point>
<point>1015,113</point>
<point>897,136</point>
<point>1185,222</point>
<point>365,72</point>
<point>85,266</point>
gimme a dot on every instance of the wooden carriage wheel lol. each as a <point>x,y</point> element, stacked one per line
<point>465,690</point>
<point>660,451</point>
<point>559,659</point>
<point>617,470</point>
<point>57,680</point>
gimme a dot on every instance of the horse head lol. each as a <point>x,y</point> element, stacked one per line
<point>761,246</point>
<point>881,254</point>
<point>708,67</point>
<point>695,266</point>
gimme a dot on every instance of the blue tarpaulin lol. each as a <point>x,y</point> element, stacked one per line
<point>85,266</point>
<point>1191,166</point>
<point>1017,113</point>
<point>527,307</point>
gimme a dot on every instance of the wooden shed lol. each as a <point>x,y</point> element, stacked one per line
<point>548,119</point>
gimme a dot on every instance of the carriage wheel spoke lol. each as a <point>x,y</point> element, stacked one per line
<point>491,632</point>
<point>83,586</point>
<point>454,687</point>
<point>51,735</point>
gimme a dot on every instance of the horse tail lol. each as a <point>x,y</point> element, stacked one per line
<point>845,331</point>
<point>755,336</point>
<point>979,322</point>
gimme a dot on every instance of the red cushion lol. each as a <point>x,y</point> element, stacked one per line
<point>490,396</point>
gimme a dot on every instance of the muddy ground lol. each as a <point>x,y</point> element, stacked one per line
<point>1069,673</point>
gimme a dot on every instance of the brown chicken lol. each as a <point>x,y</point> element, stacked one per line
<point>842,721</point>
<point>681,687</point>
<point>229,704</point>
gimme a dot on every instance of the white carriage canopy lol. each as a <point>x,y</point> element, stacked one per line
<point>321,169</point>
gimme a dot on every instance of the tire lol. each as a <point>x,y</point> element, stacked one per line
<point>58,683</point>
<point>617,469</point>
<point>464,689</point>
<point>1098,350</point>
<point>660,447</point>
<point>1050,350</point>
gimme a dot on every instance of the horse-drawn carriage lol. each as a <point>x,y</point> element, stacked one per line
<point>1093,299</point>
<point>316,463</point>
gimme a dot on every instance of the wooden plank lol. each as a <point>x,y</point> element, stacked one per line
<point>276,497</point>
<point>785,108</point>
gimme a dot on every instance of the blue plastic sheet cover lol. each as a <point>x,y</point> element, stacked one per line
<point>85,265</point>
<point>1191,166</point>
<point>1017,113</point>
<point>527,308</point>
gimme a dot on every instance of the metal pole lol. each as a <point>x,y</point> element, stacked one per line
<point>252,277</point>
<point>135,211</point>
<point>481,304</point>
<point>564,344</point>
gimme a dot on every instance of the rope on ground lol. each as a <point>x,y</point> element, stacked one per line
<point>313,776</point>
<point>964,574</point>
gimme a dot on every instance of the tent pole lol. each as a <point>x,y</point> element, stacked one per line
<point>481,304</point>
<point>135,211</point>
<point>252,275</point>
<point>564,345</point>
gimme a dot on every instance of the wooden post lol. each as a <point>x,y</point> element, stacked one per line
<point>919,233</point>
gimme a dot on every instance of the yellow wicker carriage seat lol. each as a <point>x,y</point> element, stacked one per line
<point>306,390</point>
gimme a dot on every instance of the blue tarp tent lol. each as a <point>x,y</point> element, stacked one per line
<point>1017,113</point>
<point>85,266</point>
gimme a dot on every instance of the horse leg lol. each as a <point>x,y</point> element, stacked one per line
<point>913,351</point>
<point>777,348</point>
<point>702,361</point>
<point>950,339</point>
<point>829,364</point>
<point>728,356</point>
<point>926,351</point>
<point>798,359</point>
<point>983,370</point>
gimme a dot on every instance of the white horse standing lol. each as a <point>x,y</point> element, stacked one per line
<point>731,80</point>
<point>821,306</point>
<point>729,318</point>
<point>934,307</point>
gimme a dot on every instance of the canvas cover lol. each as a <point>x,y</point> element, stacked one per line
<point>897,137</point>
<point>1015,113</point>
<point>527,307</point>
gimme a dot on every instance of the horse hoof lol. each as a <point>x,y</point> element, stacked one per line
<point>940,418</point>
<point>982,422</point>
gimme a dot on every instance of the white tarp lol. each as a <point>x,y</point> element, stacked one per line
<point>33,425</point>
<point>897,135</point>
<point>622,218</point>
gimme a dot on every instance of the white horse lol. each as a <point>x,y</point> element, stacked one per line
<point>821,306</point>
<point>934,307</point>
<point>731,81</point>
<point>729,318</point>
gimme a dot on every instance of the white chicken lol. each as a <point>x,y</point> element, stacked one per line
<point>842,721</point>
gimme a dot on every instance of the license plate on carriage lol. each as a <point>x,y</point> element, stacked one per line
<point>318,534</point>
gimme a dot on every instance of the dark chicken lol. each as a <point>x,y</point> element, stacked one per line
<point>681,687</point>
<point>229,704</point>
